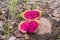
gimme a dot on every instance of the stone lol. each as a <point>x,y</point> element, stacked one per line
<point>18,34</point>
<point>45,26</point>
<point>1,32</point>
<point>12,38</point>
<point>1,24</point>
<point>2,18</point>
<point>17,39</point>
<point>1,28</point>
<point>57,39</point>
<point>55,15</point>
<point>26,37</point>
<point>22,39</point>
<point>2,37</point>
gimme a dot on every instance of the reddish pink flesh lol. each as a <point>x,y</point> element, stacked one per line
<point>24,26</point>
<point>31,14</point>
<point>29,27</point>
<point>33,26</point>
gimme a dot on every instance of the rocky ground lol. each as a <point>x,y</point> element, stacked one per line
<point>11,15</point>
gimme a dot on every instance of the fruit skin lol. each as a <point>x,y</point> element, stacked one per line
<point>23,31</point>
<point>30,28</point>
<point>36,11</point>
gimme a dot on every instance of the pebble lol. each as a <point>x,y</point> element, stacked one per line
<point>2,37</point>
<point>12,38</point>
<point>55,15</point>
<point>57,39</point>
<point>1,28</point>
<point>1,24</point>
<point>18,34</point>
<point>21,38</point>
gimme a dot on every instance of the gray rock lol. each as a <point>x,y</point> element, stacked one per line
<point>1,32</point>
<point>3,4</point>
<point>2,37</point>
<point>1,24</point>
<point>12,38</point>
<point>34,0</point>
<point>17,39</point>
<point>1,28</point>
<point>22,39</point>
<point>55,14</point>
<point>45,26</point>
<point>57,39</point>
<point>18,34</point>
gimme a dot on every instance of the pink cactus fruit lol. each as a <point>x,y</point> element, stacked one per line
<point>31,14</point>
<point>23,26</point>
<point>30,27</point>
<point>33,26</point>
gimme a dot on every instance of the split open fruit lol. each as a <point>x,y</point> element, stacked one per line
<point>32,14</point>
<point>28,27</point>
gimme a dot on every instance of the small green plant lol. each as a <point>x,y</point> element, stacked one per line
<point>43,1</point>
<point>6,30</point>
<point>36,2</point>
<point>26,0</point>
<point>12,6</point>
<point>59,36</point>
